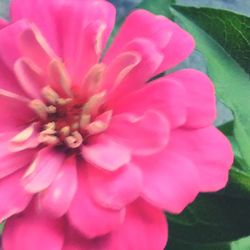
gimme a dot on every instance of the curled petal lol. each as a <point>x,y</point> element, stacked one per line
<point>15,198</point>
<point>34,226</point>
<point>163,95</point>
<point>43,170</point>
<point>101,150</point>
<point>89,218</point>
<point>142,135</point>
<point>141,69</point>
<point>56,199</point>
<point>170,181</point>
<point>200,97</point>
<point>144,228</point>
<point>169,38</point>
<point>209,150</point>
<point>115,189</point>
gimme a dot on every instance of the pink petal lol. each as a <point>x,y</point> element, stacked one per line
<point>84,28</point>
<point>9,41</point>
<point>179,47</point>
<point>57,198</point>
<point>119,68</point>
<point>101,151</point>
<point>41,13</point>
<point>144,228</point>
<point>28,138</point>
<point>12,162</point>
<point>8,80</point>
<point>162,95</point>
<point>170,181</point>
<point>75,241</point>
<point>30,231</point>
<point>3,23</point>
<point>14,110</point>
<point>142,135</point>
<point>13,196</point>
<point>89,218</point>
<point>201,102</point>
<point>4,141</point>
<point>209,150</point>
<point>9,38</point>
<point>115,189</point>
<point>144,66</point>
<point>175,43</point>
<point>35,48</point>
<point>43,170</point>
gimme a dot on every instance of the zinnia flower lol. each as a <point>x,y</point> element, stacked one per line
<point>92,151</point>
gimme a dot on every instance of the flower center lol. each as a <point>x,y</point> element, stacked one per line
<point>69,121</point>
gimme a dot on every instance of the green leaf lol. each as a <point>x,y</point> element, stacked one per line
<point>242,244</point>
<point>159,7</point>
<point>223,38</point>
<point>213,221</point>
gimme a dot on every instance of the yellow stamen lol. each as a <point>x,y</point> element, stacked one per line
<point>59,75</point>
<point>65,131</point>
<point>51,109</point>
<point>50,128</point>
<point>40,108</point>
<point>93,79</point>
<point>63,102</point>
<point>94,103</point>
<point>50,95</point>
<point>84,121</point>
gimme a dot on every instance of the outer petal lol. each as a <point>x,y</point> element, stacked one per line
<point>209,150</point>
<point>170,181</point>
<point>162,95</point>
<point>101,150</point>
<point>43,170</point>
<point>30,231</point>
<point>142,135</point>
<point>91,219</point>
<point>201,102</point>
<point>175,43</point>
<point>115,189</point>
<point>144,228</point>
<point>57,198</point>
<point>13,196</point>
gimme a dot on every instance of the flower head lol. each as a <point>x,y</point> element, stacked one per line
<point>92,151</point>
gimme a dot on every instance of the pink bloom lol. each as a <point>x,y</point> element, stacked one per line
<point>90,154</point>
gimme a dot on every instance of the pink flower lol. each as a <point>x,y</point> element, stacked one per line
<point>90,154</point>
